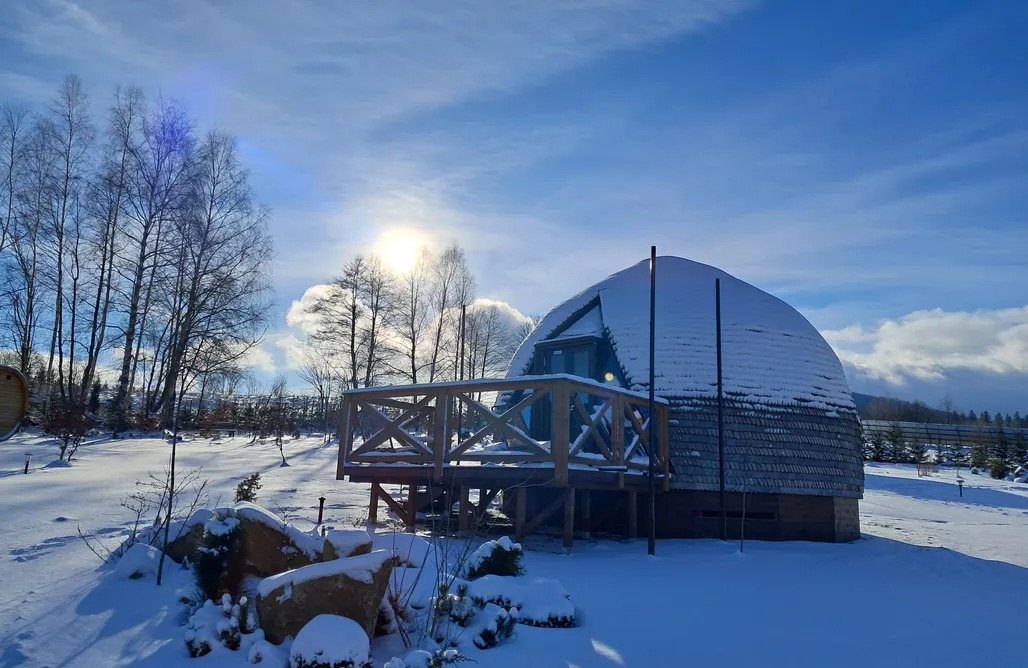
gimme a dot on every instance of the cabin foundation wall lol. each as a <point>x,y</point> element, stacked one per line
<point>696,514</point>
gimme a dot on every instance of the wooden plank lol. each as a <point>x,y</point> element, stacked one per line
<point>569,517</point>
<point>498,458</point>
<point>617,431</point>
<point>559,427</point>
<point>463,511</point>
<point>520,501</point>
<point>633,514</point>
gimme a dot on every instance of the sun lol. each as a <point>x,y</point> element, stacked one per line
<point>399,250</point>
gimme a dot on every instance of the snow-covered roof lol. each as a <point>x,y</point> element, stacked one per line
<point>791,424</point>
<point>771,354</point>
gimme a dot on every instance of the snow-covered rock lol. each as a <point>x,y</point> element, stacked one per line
<point>330,641</point>
<point>352,587</point>
<point>412,549</point>
<point>345,543</point>
<point>139,561</point>
<point>272,546</point>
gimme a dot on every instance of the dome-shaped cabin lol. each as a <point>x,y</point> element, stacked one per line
<point>792,435</point>
<point>14,400</point>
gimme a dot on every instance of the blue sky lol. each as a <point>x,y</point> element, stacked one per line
<point>867,161</point>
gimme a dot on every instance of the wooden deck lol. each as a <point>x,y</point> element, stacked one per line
<point>555,431</point>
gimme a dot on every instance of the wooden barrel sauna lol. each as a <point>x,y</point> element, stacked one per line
<point>14,400</point>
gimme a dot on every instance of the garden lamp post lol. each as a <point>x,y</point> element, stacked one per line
<point>28,456</point>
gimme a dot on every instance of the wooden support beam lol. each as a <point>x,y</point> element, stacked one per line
<point>463,510</point>
<point>540,517</point>
<point>393,504</point>
<point>485,497</point>
<point>569,517</point>
<point>633,515</point>
<point>412,508</point>
<point>586,514</point>
<point>373,505</point>
<point>520,501</point>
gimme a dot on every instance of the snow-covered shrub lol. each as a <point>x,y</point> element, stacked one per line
<point>998,469</point>
<point>68,422</point>
<point>492,625</point>
<point>217,624</point>
<point>496,557</point>
<point>486,624</point>
<point>247,488</point>
<point>540,602</point>
<point>220,564</point>
<point>139,561</point>
<point>330,641</point>
<point>420,658</point>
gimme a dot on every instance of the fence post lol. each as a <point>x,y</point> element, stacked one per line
<point>559,430</point>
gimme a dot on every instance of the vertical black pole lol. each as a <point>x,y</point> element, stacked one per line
<point>321,509</point>
<point>652,529</point>
<point>460,365</point>
<point>720,411</point>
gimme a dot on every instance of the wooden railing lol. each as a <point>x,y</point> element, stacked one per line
<point>559,420</point>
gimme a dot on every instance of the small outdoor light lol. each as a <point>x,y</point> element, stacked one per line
<point>960,486</point>
<point>609,377</point>
<point>28,456</point>
<point>321,509</point>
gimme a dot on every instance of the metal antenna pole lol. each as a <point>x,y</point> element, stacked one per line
<point>720,411</point>
<point>652,535</point>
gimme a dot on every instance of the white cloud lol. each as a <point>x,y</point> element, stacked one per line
<point>299,315</point>
<point>932,344</point>
<point>259,358</point>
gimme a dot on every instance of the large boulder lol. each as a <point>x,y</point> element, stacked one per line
<point>341,543</point>
<point>271,546</point>
<point>186,545</point>
<point>350,587</point>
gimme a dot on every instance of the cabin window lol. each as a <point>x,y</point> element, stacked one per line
<point>577,360</point>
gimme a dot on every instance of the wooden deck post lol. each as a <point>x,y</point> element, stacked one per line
<point>345,437</point>
<point>440,444</point>
<point>633,515</point>
<point>412,508</point>
<point>569,517</point>
<point>560,414</point>
<point>463,509</point>
<point>373,505</point>
<point>520,501</point>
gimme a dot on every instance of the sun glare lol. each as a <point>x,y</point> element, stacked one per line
<point>399,251</point>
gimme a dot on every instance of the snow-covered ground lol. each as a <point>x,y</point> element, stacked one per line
<point>937,581</point>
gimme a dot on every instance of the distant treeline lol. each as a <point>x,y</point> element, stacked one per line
<point>871,407</point>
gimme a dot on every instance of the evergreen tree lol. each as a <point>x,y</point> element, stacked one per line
<point>876,447</point>
<point>1001,447</point>
<point>897,448</point>
<point>986,418</point>
<point>971,417</point>
<point>94,398</point>
<point>1017,419</point>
